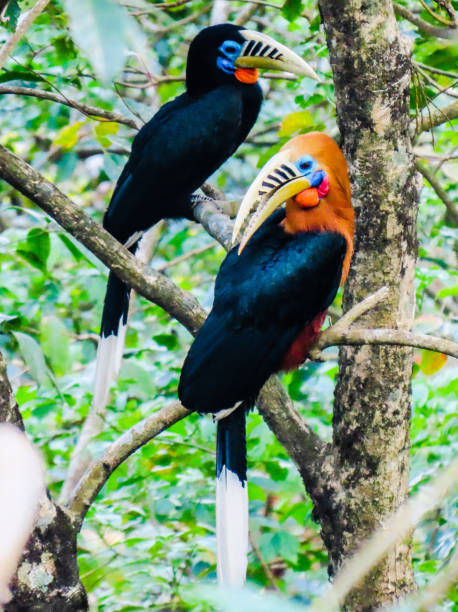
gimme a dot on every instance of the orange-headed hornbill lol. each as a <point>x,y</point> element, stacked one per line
<point>178,149</point>
<point>271,297</point>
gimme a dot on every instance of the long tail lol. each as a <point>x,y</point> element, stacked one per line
<point>231,499</point>
<point>112,335</point>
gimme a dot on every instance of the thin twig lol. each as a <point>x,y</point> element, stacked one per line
<point>447,33</point>
<point>452,75</point>
<point>85,109</point>
<point>439,18</point>
<point>452,211</point>
<point>184,257</point>
<point>438,117</point>
<point>100,469</point>
<point>265,566</point>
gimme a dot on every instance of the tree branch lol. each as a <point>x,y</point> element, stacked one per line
<point>447,33</point>
<point>393,337</point>
<point>85,109</point>
<point>452,211</point>
<point>155,287</point>
<point>100,469</point>
<point>152,285</point>
<point>436,118</point>
<point>303,445</point>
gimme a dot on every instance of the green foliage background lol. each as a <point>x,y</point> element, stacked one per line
<point>150,533</point>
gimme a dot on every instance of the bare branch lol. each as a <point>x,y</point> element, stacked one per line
<point>438,117</point>
<point>360,308</point>
<point>398,526</point>
<point>245,15</point>
<point>452,75</point>
<point>85,109</point>
<point>155,287</point>
<point>100,469</point>
<point>452,211</point>
<point>447,33</point>
<point>384,336</point>
<point>306,449</point>
<point>439,18</point>
<point>24,24</point>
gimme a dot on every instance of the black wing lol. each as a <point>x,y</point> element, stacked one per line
<point>263,300</point>
<point>172,156</point>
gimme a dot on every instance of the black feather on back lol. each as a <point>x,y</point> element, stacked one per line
<point>263,299</point>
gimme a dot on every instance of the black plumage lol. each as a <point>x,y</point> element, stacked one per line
<point>177,150</point>
<point>264,299</point>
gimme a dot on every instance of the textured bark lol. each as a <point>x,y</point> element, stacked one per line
<point>47,577</point>
<point>371,67</point>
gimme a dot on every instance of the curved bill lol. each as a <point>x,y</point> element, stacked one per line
<point>278,181</point>
<point>262,51</point>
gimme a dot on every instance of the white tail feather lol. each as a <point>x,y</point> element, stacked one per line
<point>231,529</point>
<point>109,357</point>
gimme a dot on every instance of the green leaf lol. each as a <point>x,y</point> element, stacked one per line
<point>33,356</point>
<point>104,129</point>
<point>291,9</point>
<point>68,136</point>
<point>12,15</point>
<point>73,248</point>
<point>36,248</point>
<point>431,362</point>
<point>131,370</point>
<point>295,122</point>
<point>54,343</point>
<point>287,545</point>
<point>447,292</point>
<point>19,75</point>
<point>103,30</point>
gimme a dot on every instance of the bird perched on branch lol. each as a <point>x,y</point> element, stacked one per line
<point>271,297</point>
<point>178,149</point>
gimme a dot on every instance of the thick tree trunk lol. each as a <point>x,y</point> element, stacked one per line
<point>371,67</point>
<point>47,578</point>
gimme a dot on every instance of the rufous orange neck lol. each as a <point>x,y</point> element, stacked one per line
<point>326,217</point>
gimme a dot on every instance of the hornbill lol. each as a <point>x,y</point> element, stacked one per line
<point>271,297</point>
<point>178,149</point>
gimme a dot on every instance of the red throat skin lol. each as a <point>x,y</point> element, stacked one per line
<point>247,75</point>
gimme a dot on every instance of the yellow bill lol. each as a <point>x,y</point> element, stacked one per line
<point>262,51</point>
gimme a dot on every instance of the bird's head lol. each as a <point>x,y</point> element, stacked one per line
<point>310,174</point>
<point>227,53</point>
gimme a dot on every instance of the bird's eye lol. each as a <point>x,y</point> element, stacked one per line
<point>230,47</point>
<point>306,164</point>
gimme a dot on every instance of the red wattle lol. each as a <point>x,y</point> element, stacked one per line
<point>323,188</point>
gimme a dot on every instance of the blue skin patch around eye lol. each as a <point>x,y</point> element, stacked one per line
<point>306,165</point>
<point>228,53</point>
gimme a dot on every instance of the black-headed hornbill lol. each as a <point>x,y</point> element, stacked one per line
<point>271,297</point>
<point>178,149</point>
